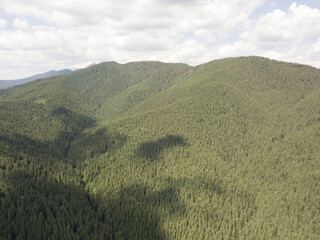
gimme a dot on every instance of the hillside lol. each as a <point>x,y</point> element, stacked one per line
<point>10,83</point>
<point>225,150</point>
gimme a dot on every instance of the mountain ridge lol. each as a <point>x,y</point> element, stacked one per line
<point>151,150</point>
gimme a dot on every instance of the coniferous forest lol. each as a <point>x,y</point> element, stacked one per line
<point>229,149</point>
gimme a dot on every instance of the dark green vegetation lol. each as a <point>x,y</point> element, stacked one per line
<point>10,83</point>
<point>225,150</point>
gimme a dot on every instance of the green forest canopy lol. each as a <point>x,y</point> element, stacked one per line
<point>225,150</point>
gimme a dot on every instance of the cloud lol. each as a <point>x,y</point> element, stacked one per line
<point>3,23</point>
<point>20,24</point>
<point>58,34</point>
<point>289,36</point>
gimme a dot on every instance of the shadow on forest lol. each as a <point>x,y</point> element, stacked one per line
<point>73,120</point>
<point>35,205</point>
<point>72,144</point>
<point>151,150</point>
<point>37,208</point>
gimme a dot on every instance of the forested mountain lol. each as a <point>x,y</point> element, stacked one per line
<point>225,150</point>
<point>10,83</point>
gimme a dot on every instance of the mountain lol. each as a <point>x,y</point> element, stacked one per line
<point>229,149</point>
<point>10,83</point>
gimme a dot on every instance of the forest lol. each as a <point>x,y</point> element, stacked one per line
<point>229,149</point>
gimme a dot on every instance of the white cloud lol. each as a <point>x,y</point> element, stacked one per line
<point>3,23</point>
<point>20,24</point>
<point>58,34</point>
<point>288,36</point>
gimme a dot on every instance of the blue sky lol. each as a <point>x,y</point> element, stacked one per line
<point>270,5</point>
<point>37,36</point>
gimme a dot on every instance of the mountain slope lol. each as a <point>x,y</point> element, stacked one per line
<point>148,150</point>
<point>10,83</point>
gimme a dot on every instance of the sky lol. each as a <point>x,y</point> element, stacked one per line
<point>40,35</point>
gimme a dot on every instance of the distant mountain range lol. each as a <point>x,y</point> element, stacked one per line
<point>10,83</point>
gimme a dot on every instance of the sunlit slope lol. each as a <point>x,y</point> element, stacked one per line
<point>102,90</point>
<point>88,89</point>
<point>255,135</point>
